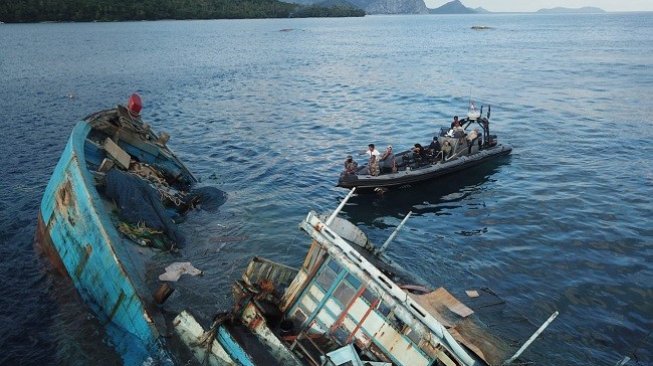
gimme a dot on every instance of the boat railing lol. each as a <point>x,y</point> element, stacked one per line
<point>453,149</point>
<point>261,269</point>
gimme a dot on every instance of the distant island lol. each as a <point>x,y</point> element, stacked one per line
<point>586,9</point>
<point>457,7</point>
<point>29,11</point>
<point>26,11</point>
<point>454,7</point>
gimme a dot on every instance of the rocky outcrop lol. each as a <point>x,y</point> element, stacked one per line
<point>452,7</point>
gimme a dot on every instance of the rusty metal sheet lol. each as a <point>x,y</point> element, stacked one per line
<point>486,346</point>
<point>436,300</point>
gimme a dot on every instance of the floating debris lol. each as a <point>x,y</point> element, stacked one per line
<point>175,270</point>
<point>481,27</point>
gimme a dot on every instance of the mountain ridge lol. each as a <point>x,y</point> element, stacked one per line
<point>380,6</point>
<point>560,9</point>
<point>453,7</point>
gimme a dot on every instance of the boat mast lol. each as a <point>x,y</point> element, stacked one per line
<point>531,339</point>
<point>340,206</point>
<point>394,234</point>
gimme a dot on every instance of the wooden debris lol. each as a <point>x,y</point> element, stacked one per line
<point>116,153</point>
<point>106,165</point>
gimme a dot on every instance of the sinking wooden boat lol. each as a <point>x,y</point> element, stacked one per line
<point>411,167</point>
<point>342,308</point>
<point>108,208</point>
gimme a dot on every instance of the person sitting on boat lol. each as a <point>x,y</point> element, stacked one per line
<point>455,122</point>
<point>471,137</point>
<point>434,148</point>
<point>373,166</point>
<point>351,166</point>
<point>419,153</point>
<point>372,151</point>
<point>446,149</point>
<point>388,161</point>
<point>458,131</point>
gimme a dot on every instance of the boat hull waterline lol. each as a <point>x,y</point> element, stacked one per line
<point>426,173</point>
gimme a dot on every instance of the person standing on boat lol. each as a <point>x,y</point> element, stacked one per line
<point>371,150</point>
<point>373,165</point>
<point>388,161</point>
<point>351,166</point>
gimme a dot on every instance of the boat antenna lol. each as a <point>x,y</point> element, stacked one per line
<point>340,206</point>
<point>531,339</point>
<point>394,233</point>
<point>489,108</point>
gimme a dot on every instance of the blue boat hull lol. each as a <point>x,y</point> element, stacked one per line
<point>80,238</point>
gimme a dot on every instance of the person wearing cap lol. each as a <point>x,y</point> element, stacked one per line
<point>351,166</point>
<point>388,161</point>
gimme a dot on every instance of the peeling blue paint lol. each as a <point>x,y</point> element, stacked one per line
<point>84,237</point>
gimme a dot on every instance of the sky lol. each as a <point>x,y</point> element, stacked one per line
<point>534,5</point>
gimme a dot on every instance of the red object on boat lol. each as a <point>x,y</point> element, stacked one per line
<point>135,105</point>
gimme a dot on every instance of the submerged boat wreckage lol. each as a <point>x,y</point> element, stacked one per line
<point>453,149</point>
<point>112,203</point>
<point>346,305</point>
<point>111,207</point>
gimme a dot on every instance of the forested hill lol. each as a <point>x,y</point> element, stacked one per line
<point>18,11</point>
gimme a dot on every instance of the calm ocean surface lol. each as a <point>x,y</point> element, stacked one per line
<point>565,223</point>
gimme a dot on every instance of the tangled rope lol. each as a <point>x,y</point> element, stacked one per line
<point>158,182</point>
<point>207,338</point>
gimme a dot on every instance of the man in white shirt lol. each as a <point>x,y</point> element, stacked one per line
<point>372,151</point>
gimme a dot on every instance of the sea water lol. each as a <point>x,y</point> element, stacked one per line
<point>267,110</point>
